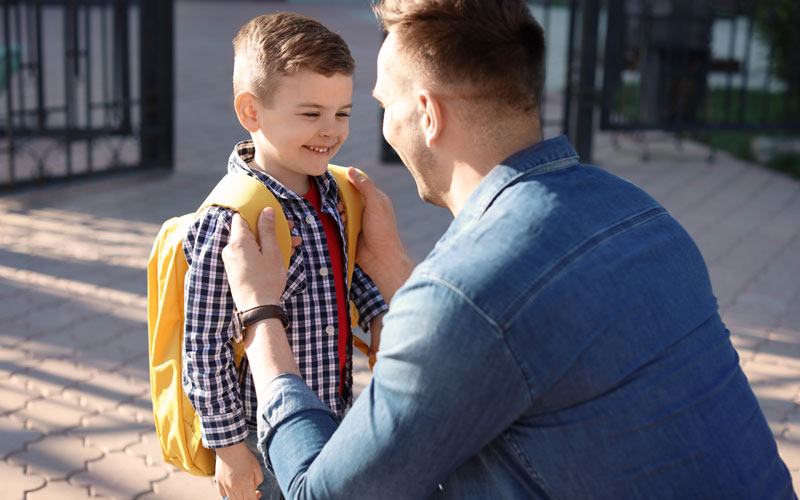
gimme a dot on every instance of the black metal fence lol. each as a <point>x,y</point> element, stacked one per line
<point>76,97</point>
<point>701,65</point>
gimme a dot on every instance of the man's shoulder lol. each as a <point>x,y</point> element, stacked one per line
<point>536,230</point>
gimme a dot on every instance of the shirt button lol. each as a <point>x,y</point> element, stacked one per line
<point>329,329</point>
<point>309,219</point>
<point>323,271</point>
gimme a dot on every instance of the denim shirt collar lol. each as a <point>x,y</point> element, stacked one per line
<point>543,157</point>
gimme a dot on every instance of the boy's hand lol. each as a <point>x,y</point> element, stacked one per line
<point>296,240</point>
<point>342,212</point>
<point>375,328</point>
<point>238,473</point>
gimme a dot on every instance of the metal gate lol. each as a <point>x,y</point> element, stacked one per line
<point>76,97</point>
<point>701,65</point>
<point>682,66</point>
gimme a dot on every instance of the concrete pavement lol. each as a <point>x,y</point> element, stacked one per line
<point>75,417</point>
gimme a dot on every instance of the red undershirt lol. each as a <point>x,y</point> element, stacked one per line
<point>335,252</point>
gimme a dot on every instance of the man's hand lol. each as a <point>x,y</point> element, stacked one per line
<point>380,252</point>
<point>257,276</point>
<point>238,473</point>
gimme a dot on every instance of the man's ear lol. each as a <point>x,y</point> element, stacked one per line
<point>245,105</point>
<point>432,116</point>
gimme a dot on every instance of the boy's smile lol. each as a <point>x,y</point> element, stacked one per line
<point>303,125</point>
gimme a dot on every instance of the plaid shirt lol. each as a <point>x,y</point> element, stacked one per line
<point>224,405</point>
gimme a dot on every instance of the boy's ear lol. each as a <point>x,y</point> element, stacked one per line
<point>246,111</point>
<point>432,116</point>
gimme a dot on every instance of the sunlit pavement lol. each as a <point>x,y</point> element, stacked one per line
<point>75,417</point>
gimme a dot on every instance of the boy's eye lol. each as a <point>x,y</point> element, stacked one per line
<point>343,114</point>
<point>311,113</point>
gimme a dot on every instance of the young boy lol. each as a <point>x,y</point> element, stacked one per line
<point>293,83</point>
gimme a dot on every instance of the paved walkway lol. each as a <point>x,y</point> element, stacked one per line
<point>74,395</point>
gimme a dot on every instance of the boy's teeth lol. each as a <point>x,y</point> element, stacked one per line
<point>318,150</point>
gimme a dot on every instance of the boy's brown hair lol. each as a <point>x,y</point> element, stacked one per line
<point>275,45</point>
<point>492,50</point>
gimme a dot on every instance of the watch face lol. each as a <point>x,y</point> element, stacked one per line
<point>238,327</point>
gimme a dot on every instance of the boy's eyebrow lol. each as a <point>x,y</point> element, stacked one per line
<point>320,106</point>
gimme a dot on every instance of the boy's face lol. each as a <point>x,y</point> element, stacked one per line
<point>304,125</point>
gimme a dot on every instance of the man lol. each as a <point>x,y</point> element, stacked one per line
<point>562,339</point>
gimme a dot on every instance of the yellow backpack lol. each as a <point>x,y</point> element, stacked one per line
<point>176,422</point>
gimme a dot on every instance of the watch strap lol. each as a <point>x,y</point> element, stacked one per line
<point>260,313</point>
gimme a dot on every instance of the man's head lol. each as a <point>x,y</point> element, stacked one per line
<point>478,49</point>
<point>293,86</point>
<point>459,72</point>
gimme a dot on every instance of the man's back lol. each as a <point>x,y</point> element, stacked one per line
<point>561,341</point>
<point>599,365</point>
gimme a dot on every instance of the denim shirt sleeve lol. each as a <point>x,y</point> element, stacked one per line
<point>444,386</point>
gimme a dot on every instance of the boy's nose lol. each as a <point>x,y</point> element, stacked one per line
<point>332,129</point>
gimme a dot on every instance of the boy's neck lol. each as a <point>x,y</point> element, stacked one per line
<point>297,182</point>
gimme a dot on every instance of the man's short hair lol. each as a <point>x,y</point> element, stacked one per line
<point>486,49</point>
<point>275,45</point>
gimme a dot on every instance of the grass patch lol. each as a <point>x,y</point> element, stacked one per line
<point>735,143</point>
<point>724,109</point>
<point>788,163</point>
<point>738,144</point>
<point>752,106</point>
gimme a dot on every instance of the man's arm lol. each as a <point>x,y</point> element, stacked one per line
<point>445,386</point>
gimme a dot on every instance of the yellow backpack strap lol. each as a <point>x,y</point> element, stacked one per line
<point>248,196</point>
<point>353,209</point>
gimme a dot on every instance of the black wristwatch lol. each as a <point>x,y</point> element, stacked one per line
<point>243,319</point>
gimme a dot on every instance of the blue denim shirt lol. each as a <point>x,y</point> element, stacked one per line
<point>560,341</point>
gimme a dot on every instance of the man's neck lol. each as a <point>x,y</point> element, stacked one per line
<point>472,168</point>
